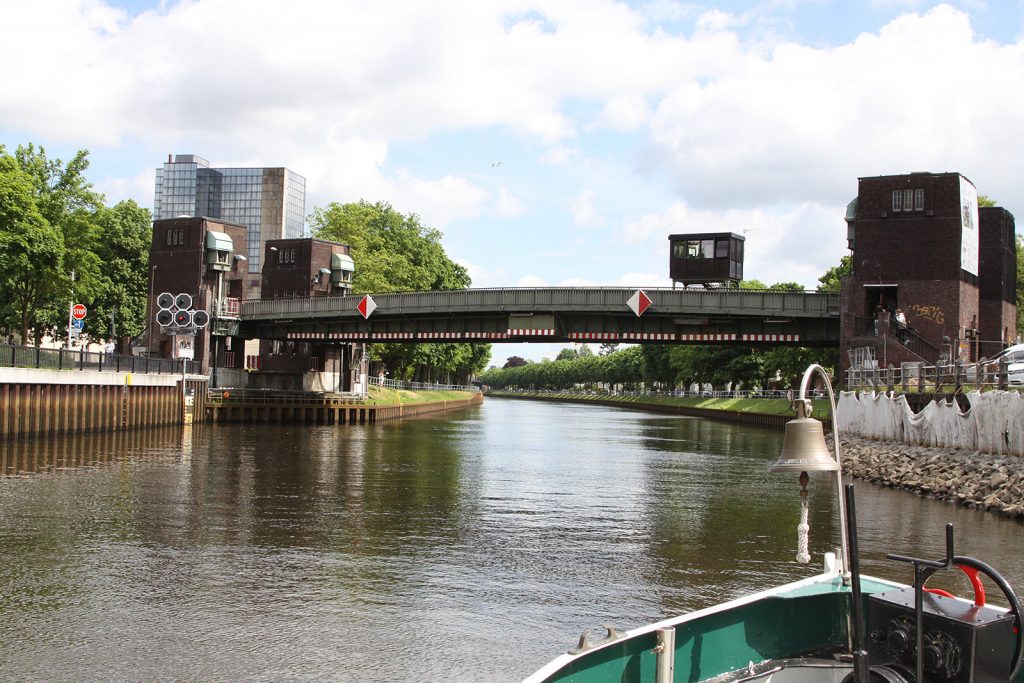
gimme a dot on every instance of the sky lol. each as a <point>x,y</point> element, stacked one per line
<point>554,143</point>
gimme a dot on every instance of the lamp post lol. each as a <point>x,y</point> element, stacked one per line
<point>804,450</point>
<point>152,305</point>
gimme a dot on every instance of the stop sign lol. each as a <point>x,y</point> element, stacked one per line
<point>78,311</point>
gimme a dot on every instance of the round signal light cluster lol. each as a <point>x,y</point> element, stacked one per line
<point>176,312</point>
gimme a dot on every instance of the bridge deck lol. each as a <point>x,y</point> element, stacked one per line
<point>556,314</point>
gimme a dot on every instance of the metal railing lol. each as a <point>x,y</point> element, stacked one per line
<point>918,377</point>
<point>277,396</point>
<point>14,356</point>
<point>419,386</point>
<point>742,393</point>
<point>228,308</point>
<point>906,335</point>
<point>579,299</point>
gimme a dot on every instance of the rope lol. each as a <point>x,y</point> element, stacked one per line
<point>803,556</point>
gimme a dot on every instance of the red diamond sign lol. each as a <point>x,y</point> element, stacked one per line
<point>366,306</point>
<point>639,302</point>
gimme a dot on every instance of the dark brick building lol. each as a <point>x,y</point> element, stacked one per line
<point>307,267</point>
<point>919,244</point>
<point>205,258</point>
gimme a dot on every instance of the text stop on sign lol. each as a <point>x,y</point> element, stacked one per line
<point>78,311</point>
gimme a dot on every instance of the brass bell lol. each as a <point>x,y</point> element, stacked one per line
<point>803,446</point>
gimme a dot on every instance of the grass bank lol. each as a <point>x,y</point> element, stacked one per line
<point>383,396</point>
<point>746,406</point>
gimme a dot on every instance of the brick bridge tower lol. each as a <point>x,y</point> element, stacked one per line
<point>921,248</point>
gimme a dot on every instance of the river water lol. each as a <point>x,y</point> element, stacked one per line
<point>470,547</point>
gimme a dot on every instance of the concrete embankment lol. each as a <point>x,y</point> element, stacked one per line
<point>970,478</point>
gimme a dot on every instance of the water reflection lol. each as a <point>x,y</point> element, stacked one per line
<point>469,547</point>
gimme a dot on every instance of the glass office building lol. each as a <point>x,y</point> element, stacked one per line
<point>270,202</point>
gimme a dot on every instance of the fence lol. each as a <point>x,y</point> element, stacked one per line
<point>918,377</point>
<point>14,356</point>
<point>748,393</point>
<point>421,386</point>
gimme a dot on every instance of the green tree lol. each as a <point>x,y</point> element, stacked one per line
<point>515,362</point>
<point>67,202</point>
<point>31,249</point>
<point>833,277</point>
<point>393,252</point>
<point>123,249</point>
<point>396,253</point>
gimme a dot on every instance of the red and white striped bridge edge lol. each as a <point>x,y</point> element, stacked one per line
<point>771,337</point>
<point>332,335</point>
<point>485,335</point>
<point>440,335</point>
<point>393,335</point>
<point>597,336</point>
<point>649,336</point>
<point>531,333</point>
<point>707,337</point>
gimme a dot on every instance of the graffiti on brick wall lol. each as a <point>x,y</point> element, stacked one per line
<point>933,313</point>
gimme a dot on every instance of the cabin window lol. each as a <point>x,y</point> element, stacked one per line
<point>919,200</point>
<point>897,200</point>
<point>721,248</point>
<point>908,200</point>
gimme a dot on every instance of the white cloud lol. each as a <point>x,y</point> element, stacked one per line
<point>624,113</point>
<point>792,245</point>
<point>560,155</point>
<point>727,126</point>
<point>139,187</point>
<point>531,281</point>
<point>439,201</point>
<point>483,278</point>
<point>584,213</point>
<point>801,124</point>
<point>508,205</point>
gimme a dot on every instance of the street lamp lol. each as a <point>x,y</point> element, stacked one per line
<point>152,279</point>
<point>804,450</point>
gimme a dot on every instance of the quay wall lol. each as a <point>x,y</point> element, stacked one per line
<point>36,402</point>
<point>326,411</point>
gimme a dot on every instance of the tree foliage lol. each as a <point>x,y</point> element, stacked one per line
<point>58,242</point>
<point>832,280</point>
<point>673,365</point>
<point>396,253</point>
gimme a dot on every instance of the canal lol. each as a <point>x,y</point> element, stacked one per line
<point>469,547</point>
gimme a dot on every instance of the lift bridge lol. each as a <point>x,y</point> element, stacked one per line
<point>558,314</point>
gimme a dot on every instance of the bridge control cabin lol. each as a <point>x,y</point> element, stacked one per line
<point>712,259</point>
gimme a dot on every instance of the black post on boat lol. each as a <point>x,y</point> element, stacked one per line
<point>921,574</point>
<point>861,672</point>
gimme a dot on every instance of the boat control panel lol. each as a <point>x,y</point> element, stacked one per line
<point>963,642</point>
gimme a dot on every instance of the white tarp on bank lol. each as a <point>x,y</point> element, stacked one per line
<point>993,424</point>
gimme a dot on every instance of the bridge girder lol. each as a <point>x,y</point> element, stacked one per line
<point>553,315</point>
